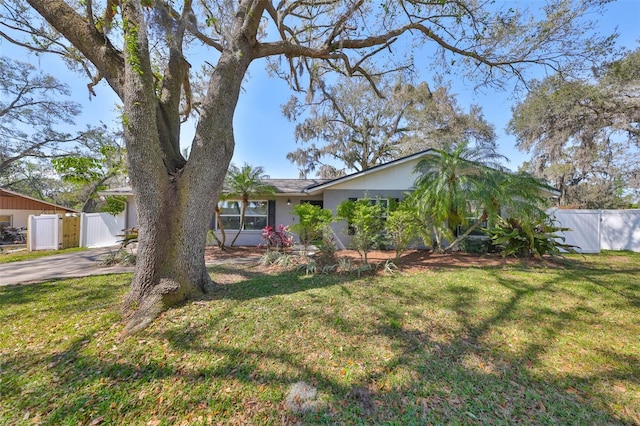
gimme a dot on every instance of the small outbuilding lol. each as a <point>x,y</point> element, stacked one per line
<point>15,209</point>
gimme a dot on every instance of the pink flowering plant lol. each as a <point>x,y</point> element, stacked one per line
<point>279,237</point>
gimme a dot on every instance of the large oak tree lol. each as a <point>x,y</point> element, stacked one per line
<point>143,49</point>
<point>584,134</point>
<point>352,126</point>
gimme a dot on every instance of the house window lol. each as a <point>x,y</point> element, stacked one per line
<point>384,202</point>
<point>255,217</point>
<point>6,221</point>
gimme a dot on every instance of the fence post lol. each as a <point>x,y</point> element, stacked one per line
<point>83,229</point>
<point>29,232</point>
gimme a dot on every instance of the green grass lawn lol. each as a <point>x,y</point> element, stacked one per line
<point>501,345</point>
<point>26,255</point>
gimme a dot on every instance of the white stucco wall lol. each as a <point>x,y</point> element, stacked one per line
<point>20,217</point>
<point>396,178</point>
<point>246,238</point>
<point>131,213</point>
<point>285,214</point>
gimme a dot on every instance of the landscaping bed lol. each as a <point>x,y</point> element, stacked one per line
<point>410,261</point>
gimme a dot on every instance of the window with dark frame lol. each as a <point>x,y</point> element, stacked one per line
<point>255,218</point>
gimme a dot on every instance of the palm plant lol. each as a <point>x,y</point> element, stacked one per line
<point>223,235</point>
<point>244,183</point>
<point>454,183</point>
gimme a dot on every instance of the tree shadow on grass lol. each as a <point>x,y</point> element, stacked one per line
<point>627,289</point>
<point>386,358</point>
<point>479,381</point>
<point>75,386</point>
<point>463,378</point>
<point>253,283</point>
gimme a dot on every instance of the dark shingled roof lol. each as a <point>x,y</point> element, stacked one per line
<point>283,186</point>
<point>292,185</point>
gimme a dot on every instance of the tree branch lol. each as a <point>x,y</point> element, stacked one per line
<point>86,38</point>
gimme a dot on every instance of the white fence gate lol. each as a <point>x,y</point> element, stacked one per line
<point>595,230</point>
<point>96,230</point>
<point>45,232</point>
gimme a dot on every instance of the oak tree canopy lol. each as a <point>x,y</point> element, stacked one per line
<point>584,134</point>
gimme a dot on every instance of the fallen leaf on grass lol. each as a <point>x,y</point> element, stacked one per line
<point>97,421</point>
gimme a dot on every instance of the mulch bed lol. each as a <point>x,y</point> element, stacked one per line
<point>411,260</point>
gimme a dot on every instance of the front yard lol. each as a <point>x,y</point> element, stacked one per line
<point>505,343</point>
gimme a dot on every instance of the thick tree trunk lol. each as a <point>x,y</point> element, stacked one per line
<point>175,204</point>
<point>173,214</point>
<point>170,265</point>
<point>175,198</point>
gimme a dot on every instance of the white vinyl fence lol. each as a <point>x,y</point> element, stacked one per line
<point>620,230</point>
<point>101,229</point>
<point>595,230</point>
<point>96,230</point>
<point>45,232</point>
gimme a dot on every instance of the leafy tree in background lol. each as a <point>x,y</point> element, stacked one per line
<point>32,106</point>
<point>353,126</point>
<point>145,52</point>
<point>244,183</point>
<point>584,134</point>
<point>438,122</point>
<point>91,174</point>
<point>34,178</point>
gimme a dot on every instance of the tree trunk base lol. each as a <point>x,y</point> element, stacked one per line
<point>141,311</point>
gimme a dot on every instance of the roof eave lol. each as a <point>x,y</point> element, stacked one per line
<point>17,194</point>
<point>315,189</point>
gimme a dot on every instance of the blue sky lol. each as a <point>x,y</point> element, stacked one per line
<point>264,136</point>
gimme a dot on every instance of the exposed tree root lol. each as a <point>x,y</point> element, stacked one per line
<point>141,312</point>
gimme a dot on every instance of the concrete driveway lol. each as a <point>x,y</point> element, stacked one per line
<point>69,265</point>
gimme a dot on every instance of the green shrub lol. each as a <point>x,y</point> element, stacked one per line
<point>365,218</point>
<point>277,258</point>
<point>309,267</point>
<point>402,227</point>
<point>526,239</point>
<point>475,245</point>
<point>119,257</point>
<point>313,226</point>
